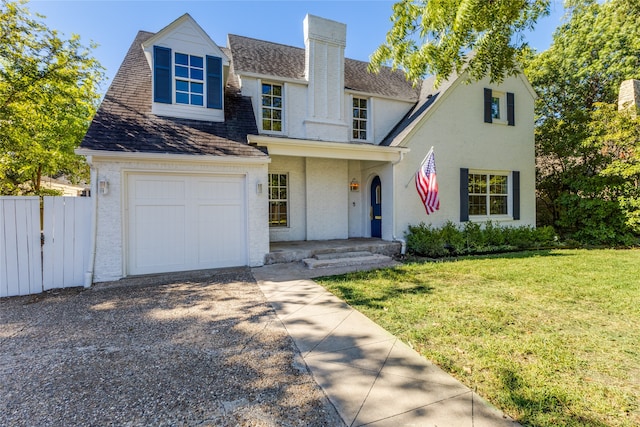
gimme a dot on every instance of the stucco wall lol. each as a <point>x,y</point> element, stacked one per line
<point>461,139</point>
<point>110,262</point>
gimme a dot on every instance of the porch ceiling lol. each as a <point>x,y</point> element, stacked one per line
<point>328,150</point>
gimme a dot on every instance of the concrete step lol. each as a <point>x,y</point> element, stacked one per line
<point>370,259</point>
<point>337,255</point>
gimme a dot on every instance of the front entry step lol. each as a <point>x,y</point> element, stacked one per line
<point>345,259</point>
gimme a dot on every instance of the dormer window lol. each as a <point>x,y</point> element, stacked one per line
<point>189,73</point>
<point>187,80</point>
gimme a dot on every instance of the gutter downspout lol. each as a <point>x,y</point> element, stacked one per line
<point>403,249</point>
<point>88,276</point>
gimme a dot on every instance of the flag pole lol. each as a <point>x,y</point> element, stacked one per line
<point>421,163</point>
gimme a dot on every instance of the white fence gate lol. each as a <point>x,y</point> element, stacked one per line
<point>28,266</point>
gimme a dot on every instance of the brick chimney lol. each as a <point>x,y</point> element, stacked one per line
<point>325,41</point>
<point>629,94</point>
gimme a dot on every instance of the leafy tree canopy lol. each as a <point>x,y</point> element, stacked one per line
<point>580,136</point>
<point>48,95</point>
<point>435,37</point>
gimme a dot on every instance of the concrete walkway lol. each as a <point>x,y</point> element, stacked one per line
<point>370,376</point>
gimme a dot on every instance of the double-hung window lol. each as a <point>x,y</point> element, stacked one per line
<point>278,200</point>
<point>183,79</point>
<point>189,74</point>
<point>272,107</point>
<point>360,115</point>
<point>489,194</point>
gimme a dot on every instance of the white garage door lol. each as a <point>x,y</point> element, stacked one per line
<point>185,222</point>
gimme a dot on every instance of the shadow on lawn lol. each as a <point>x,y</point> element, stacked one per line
<point>542,408</point>
<point>491,255</point>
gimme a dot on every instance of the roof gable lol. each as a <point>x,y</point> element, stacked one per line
<point>124,122</point>
<point>184,34</point>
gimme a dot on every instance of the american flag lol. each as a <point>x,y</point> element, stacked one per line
<point>427,185</point>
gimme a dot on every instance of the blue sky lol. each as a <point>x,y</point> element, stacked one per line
<point>114,24</point>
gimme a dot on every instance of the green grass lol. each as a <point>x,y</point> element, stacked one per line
<point>550,337</point>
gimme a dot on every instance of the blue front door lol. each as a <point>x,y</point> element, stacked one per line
<point>376,207</point>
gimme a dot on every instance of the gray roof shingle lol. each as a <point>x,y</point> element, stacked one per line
<point>273,59</point>
<point>124,121</point>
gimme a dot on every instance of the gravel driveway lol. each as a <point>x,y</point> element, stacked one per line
<point>203,349</point>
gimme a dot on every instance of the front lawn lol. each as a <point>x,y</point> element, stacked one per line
<point>550,337</point>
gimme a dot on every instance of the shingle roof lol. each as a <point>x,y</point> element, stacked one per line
<point>124,121</point>
<point>428,97</point>
<point>273,59</point>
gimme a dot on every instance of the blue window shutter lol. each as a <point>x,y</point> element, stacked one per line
<point>516,194</point>
<point>487,105</point>
<point>214,82</point>
<point>511,117</point>
<point>464,194</point>
<point>162,75</point>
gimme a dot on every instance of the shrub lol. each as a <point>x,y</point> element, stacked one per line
<point>472,238</point>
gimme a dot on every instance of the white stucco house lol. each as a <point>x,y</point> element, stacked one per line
<point>202,155</point>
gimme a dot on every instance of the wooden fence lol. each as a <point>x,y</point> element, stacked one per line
<point>35,258</point>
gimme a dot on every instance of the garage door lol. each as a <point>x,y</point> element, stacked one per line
<point>185,222</point>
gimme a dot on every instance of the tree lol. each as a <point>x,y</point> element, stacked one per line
<point>48,95</point>
<point>435,37</point>
<point>592,53</point>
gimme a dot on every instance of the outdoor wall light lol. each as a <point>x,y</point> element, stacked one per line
<point>354,185</point>
<point>103,186</point>
<point>259,188</point>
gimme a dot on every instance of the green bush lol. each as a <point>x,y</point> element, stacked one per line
<point>473,238</point>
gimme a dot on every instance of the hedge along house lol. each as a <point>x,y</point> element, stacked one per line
<point>203,155</point>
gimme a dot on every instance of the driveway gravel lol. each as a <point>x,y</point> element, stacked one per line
<point>202,348</point>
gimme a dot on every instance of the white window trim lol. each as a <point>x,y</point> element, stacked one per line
<point>288,200</point>
<point>501,217</point>
<point>369,127</point>
<point>502,97</point>
<point>283,85</point>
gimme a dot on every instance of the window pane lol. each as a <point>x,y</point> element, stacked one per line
<point>182,71</point>
<point>355,133</point>
<point>197,87</point>
<point>363,103</point>
<point>277,90</point>
<point>266,101</point>
<point>266,89</point>
<point>363,114</point>
<point>356,102</point>
<point>277,126</point>
<point>182,98</point>
<point>283,180</point>
<point>277,102</point>
<point>266,113</point>
<point>277,114</point>
<point>196,74</point>
<point>182,59</point>
<point>356,113</point>
<point>495,107</point>
<point>477,205</point>
<point>498,184</point>
<point>182,86</point>
<point>498,205</point>
<point>266,124</point>
<point>196,100</point>
<point>196,61</point>
<point>363,134</point>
